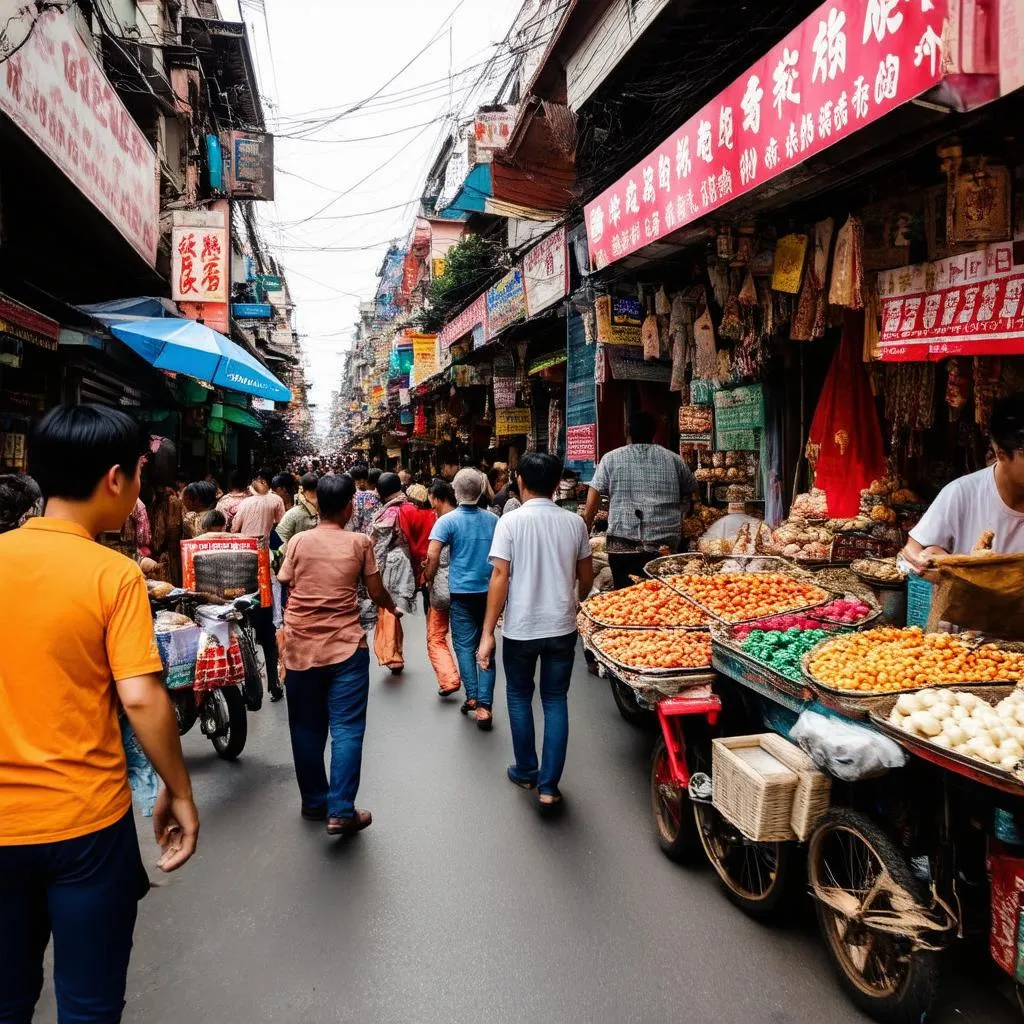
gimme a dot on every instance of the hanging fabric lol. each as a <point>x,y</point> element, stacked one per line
<point>649,337</point>
<point>662,306</point>
<point>847,286</point>
<point>706,358</point>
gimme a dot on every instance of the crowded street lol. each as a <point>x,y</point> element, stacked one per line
<point>460,904</point>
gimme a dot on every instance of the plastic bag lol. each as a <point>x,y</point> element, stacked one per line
<point>844,750</point>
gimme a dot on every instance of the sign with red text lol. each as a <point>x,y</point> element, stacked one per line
<point>473,316</point>
<point>546,273</point>
<point>55,91</point>
<point>199,263</point>
<point>972,305</point>
<point>581,443</point>
<point>848,64</point>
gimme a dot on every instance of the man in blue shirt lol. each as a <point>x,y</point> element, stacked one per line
<point>467,532</point>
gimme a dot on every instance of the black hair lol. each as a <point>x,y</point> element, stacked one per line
<point>17,496</point>
<point>203,493</point>
<point>373,476</point>
<point>266,475</point>
<point>443,491</point>
<point>333,493</point>
<point>360,471</point>
<point>74,446</point>
<point>238,480</point>
<point>642,427</point>
<point>285,480</point>
<point>214,519</point>
<point>308,481</point>
<point>388,485</point>
<point>540,472</point>
<point>1006,427</point>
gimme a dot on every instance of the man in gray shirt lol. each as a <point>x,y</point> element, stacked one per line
<point>649,490</point>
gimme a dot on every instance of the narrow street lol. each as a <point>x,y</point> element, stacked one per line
<point>459,904</point>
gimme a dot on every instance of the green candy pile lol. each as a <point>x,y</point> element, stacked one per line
<point>782,649</point>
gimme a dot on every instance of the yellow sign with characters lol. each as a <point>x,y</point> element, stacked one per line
<point>510,422</point>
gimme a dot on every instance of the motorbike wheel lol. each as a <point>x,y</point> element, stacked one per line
<point>857,874</point>
<point>673,814</point>
<point>629,707</point>
<point>185,710</point>
<point>231,742</point>
<point>254,671</point>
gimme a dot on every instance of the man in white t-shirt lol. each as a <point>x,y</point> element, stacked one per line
<point>992,499</point>
<point>541,559</point>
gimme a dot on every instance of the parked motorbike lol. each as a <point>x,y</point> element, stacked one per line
<point>220,708</point>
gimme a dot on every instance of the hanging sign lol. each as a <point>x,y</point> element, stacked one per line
<point>424,356</point>
<point>473,316</point>
<point>510,422</point>
<point>250,165</point>
<point>546,273</point>
<point>581,443</point>
<point>506,303</point>
<point>971,305</point>
<point>848,64</point>
<point>199,258</point>
<point>55,91</point>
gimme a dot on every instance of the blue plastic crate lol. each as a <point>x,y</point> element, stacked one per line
<point>919,600</point>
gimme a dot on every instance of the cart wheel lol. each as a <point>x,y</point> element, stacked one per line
<point>629,707</point>
<point>856,875</point>
<point>673,816</point>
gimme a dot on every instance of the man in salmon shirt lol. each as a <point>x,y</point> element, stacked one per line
<point>76,639</point>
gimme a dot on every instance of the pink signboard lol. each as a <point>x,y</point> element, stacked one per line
<point>54,90</point>
<point>972,304</point>
<point>848,64</point>
<point>581,443</point>
<point>474,315</point>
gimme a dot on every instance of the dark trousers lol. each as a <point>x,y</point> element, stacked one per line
<point>266,636</point>
<point>329,701</point>
<point>628,564</point>
<point>520,657</point>
<point>85,893</point>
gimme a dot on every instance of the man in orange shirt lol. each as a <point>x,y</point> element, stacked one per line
<point>76,639</point>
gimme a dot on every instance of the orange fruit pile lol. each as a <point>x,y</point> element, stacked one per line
<point>738,596</point>
<point>887,659</point>
<point>657,648</point>
<point>645,604</point>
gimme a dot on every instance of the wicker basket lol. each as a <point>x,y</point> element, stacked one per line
<point>753,789</point>
<point>814,790</point>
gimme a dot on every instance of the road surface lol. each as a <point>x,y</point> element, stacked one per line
<point>459,905</point>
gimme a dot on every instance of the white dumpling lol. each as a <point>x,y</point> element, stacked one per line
<point>970,727</point>
<point>952,731</point>
<point>958,713</point>
<point>928,724</point>
<point>1009,763</point>
<point>942,740</point>
<point>928,698</point>
<point>1011,748</point>
<point>908,703</point>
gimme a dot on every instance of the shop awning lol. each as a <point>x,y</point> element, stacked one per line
<point>192,348</point>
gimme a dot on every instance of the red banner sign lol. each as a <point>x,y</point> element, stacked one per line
<point>971,304</point>
<point>472,316</point>
<point>848,64</point>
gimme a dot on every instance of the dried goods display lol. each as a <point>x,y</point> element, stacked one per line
<point>727,467</point>
<point>749,539</point>
<point>812,505</point>
<point>849,611</point>
<point>700,520</point>
<point>887,660</point>
<point>802,540</point>
<point>965,722</point>
<point>741,596</point>
<point>696,419</point>
<point>646,604</point>
<point>658,649</point>
<point>783,649</point>
<point>878,570</point>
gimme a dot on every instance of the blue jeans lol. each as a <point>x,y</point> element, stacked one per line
<point>556,654</point>
<point>467,621</point>
<point>85,892</point>
<point>331,699</point>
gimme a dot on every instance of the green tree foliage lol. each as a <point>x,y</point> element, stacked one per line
<point>468,267</point>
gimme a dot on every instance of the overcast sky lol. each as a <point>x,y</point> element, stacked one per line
<point>323,57</point>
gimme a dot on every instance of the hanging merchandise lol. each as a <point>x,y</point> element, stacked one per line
<point>790,252</point>
<point>649,337</point>
<point>987,379</point>
<point>748,293</point>
<point>731,327</point>
<point>957,387</point>
<point>706,357</point>
<point>678,379</point>
<point>977,199</point>
<point>662,306</point>
<point>909,390</point>
<point>554,427</point>
<point>809,318</point>
<point>718,275</point>
<point>504,381</point>
<point>845,431</point>
<point>419,421</point>
<point>847,285</point>
<point>872,318</point>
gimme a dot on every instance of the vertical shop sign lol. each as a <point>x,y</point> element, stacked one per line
<point>546,273</point>
<point>199,257</point>
<point>424,357</point>
<point>848,64</point>
<point>55,91</point>
<point>580,400</point>
<point>491,131</point>
<point>506,303</point>
<point>251,165</point>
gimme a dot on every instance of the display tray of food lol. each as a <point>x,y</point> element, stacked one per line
<point>879,572</point>
<point>655,651</point>
<point>737,597</point>
<point>890,660</point>
<point>646,605</point>
<point>975,731</point>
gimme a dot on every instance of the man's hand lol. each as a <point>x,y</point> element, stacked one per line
<point>485,652</point>
<point>176,827</point>
<point>921,558</point>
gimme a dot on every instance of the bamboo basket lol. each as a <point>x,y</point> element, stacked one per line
<point>814,790</point>
<point>752,788</point>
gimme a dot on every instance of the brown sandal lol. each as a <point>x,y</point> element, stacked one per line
<point>486,723</point>
<point>469,705</point>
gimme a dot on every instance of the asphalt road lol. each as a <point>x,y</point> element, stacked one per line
<point>460,905</point>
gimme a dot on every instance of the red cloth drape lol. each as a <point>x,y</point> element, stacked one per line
<point>845,430</point>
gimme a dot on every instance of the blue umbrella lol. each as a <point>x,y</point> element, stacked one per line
<point>192,348</point>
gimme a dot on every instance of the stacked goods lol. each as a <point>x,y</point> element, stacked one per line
<point>783,650</point>
<point>700,520</point>
<point>728,468</point>
<point>849,611</point>
<point>966,723</point>
<point>801,540</point>
<point>887,660</point>
<point>646,604</point>
<point>858,524</point>
<point>656,648</point>
<point>696,419</point>
<point>812,505</point>
<point>747,541</point>
<point>741,596</point>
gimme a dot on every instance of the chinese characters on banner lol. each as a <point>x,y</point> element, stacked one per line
<point>199,271</point>
<point>971,305</point>
<point>848,64</point>
<point>546,273</point>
